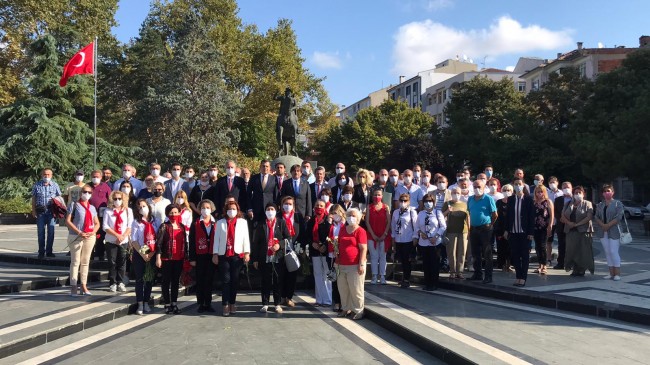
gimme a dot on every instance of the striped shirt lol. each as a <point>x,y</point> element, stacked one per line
<point>43,194</point>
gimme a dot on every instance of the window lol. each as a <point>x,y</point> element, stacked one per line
<point>408,92</point>
<point>521,86</point>
<point>582,69</point>
<point>392,95</point>
<point>535,85</point>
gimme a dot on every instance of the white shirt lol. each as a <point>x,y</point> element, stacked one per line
<point>135,183</point>
<point>158,211</point>
<point>432,224</point>
<point>414,191</point>
<point>176,186</point>
<point>428,189</point>
<point>160,179</point>
<point>403,225</point>
<point>137,233</point>
<point>109,222</point>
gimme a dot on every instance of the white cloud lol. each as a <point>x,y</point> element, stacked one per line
<point>420,45</point>
<point>433,5</point>
<point>510,68</point>
<point>327,60</point>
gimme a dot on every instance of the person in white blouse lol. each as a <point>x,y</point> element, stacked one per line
<point>158,204</point>
<point>431,228</point>
<point>231,250</point>
<point>427,186</point>
<point>117,224</point>
<point>403,225</point>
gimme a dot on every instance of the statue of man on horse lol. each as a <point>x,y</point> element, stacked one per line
<point>286,128</point>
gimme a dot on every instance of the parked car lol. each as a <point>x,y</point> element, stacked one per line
<point>634,209</point>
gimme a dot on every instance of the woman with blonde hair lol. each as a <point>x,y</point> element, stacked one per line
<point>186,211</point>
<point>543,225</point>
<point>117,225</point>
<point>361,194</point>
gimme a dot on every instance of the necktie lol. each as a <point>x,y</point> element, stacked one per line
<point>264,180</point>
<point>280,182</point>
<point>229,184</point>
<point>318,188</point>
<point>295,187</point>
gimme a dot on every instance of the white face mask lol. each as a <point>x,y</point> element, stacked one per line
<point>126,190</point>
<point>232,213</point>
<point>577,197</point>
<point>455,197</point>
<point>230,171</point>
<point>553,186</point>
<point>176,173</point>
<point>478,191</point>
<point>428,205</point>
<point>342,182</point>
<point>407,180</point>
<point>86,196</point>
<point>305,171</point>
<point>96,180</point>
<point>442,186</point>
<point>205,183</point>
<point>340,170</point>
<point>404,205</point>
<point>79,178</point>
<point>287,208</point>
<point>519,188</point>
<point>155,172</point>
<point>127,174</point>
<point>347,197</point>
<point>352,220</point>
<point>205,212</point>
<point>144,211</point>
<point>416,174</point>
<point>508,194</point>
<point>566,191</point>
<point>425,180</point>
<point>325,198</point>
<point>383,179</point>
<point>393,179</point>
<point>189,175</point>
<point>212,173</point>
<point>180,201</point>
<point>336,218</point>
<point>270,214</point>
<point>464,192</point>
<point>117,203</point>
<point>464,198</point>
<point>493,189</point>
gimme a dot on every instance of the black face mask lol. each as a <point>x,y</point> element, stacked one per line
<point>157,194</point>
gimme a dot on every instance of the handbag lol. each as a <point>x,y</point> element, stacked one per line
<point>290,257</point>
<point>626,237</point>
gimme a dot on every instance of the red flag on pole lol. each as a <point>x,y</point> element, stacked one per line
<point>81,63</point>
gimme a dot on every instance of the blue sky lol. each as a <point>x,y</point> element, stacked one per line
<point>362,45</point>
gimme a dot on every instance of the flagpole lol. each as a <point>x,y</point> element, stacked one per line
<point>95,121</point>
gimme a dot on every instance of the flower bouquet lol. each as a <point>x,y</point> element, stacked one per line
<point>149,271</point>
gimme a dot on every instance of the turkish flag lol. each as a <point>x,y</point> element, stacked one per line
<point>81,63</point>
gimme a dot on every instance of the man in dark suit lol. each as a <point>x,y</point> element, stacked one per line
<point>317,186</point>
<point>176,184</point>
<point>231,185</point>
<point>261,191</point>
<point>519,229</point>
<point>299,190</point>
<point>558,207</point>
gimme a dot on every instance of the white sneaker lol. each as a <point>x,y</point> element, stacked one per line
<point>373,281</point>
<point>616,278</point>
<point>278,309</point>
<point>145,308</point>
<point>383,280</point>
<point>121,288</point>
<point>112,288</point>
<point>140,310</point>
<point>264,309</point>
<point>607,277</point>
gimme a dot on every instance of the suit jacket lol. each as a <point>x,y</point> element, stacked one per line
<point>259,197</point>
<point>323,233</point>
<point>260,239</point>
<point>302,199</point>
<point>238,191</point>
<point>312,188</point>
<point>168,189</point>
<point>526,214</point>
<point>584,209</point>
<point>298,227</point>
<point>242,242</point>
<point>558,207</point>
<point>359,197</point>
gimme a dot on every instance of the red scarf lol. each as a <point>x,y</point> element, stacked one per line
<point>118,221</point>
<point>317,221</point>
<point>149,235</point>
<point>89,223</point>
<point>271,241</point>
<point>288,219</point>
<point>230,237</point>
<point>202,241</point>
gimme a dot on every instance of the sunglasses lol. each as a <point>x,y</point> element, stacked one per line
<point>86,192</point>
<point>157,190</point>
<point>403,201</point>
<point>118,199</point>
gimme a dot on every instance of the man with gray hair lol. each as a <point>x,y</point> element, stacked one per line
<point>319,183</point>
<point>128,174</point>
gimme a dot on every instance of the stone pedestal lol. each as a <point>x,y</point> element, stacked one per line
<point>288,161</point>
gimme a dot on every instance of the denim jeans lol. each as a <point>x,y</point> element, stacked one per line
<point>43,220</point>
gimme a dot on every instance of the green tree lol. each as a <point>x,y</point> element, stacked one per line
<point>188,116</point>
<point>42,130</point>
<point>481,117</point>
<point>612,133</point>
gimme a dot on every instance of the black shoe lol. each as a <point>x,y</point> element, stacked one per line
<point>41,256</point>
<point>558,267</point>
<point>169,310</point>
<point>201,309</point>
<point>487,280</point>
<point>475,278</point>
<point>208,308</point>
<point>176,310</point>
<point>405,284</point>
<point>51,255</point>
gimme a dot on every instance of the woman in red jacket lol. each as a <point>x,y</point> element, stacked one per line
<point>171,247</point>
<point>200,254</point>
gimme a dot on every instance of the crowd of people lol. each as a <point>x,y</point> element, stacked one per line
<point>218,224</point>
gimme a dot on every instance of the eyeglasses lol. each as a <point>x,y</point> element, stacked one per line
<point>157,190</point>
<point>118,199</point>
<point>86,192</point>
<point>404,201</point>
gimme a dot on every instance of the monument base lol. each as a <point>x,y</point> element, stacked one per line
<point>288,161</point>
